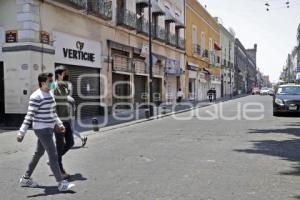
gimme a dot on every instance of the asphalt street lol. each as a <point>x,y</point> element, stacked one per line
<point>253,156</point>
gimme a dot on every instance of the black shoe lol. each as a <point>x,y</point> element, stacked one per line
<point>66,176</point>
<point>83,141</point>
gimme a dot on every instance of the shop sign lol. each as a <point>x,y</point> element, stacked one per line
<point>44,37</point>
<point>77,51</point>
<point>11,36</point>
<point>192,74</point>
<point>192,67</point>
<point>173,67</point>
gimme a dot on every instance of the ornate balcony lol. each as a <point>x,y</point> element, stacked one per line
<point>160,33</point>
<point>100,8</point>
<point>181,43</point>
<point>205,53</point>
<point>197,49</point>
<point>126,19</point>
<point>171,39</point>
<point>142,26</point>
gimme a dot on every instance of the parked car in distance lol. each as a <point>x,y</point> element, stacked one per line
<point>264,91</point>
<point>255,91</point>
<point>271,92</point>
<point>287,99</point>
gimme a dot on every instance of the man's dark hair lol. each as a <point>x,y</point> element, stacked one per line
<point>58,72</point>
<point>43,77</point>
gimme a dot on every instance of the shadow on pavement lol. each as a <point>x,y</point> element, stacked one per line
<point>288,150</point>
<point>77,177</point>
<point>53,190</point>
<point>48,191</point>
<point>78,147</point>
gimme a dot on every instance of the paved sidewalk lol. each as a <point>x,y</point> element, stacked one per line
<point>125,116</point>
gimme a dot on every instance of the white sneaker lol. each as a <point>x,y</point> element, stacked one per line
<point>28,182</point>
<point>65,186</point>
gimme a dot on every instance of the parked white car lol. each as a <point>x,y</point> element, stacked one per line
<point>264,91</point>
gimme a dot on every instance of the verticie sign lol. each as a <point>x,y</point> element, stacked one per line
<point>77,51</point>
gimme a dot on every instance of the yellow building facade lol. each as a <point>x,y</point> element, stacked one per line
<point>203,69</point>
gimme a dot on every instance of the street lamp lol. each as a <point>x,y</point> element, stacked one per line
<point>150,62</point>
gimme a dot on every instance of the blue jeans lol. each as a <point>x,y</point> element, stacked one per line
<point>45,143</point>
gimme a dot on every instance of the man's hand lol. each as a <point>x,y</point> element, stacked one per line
<point>20,138</point>
<point>62,129</point>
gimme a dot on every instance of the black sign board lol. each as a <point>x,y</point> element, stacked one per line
<point>44,37</point>
<point>11,36</point>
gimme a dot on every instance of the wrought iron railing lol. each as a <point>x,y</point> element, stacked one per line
<point>126,18</point>
<point>197,49</point>
<point>181,43</point>
<point>205,53</point>
<point>171,39</point>
<point>142,26</point>
<point>101,8</point>
<point>160,33</point>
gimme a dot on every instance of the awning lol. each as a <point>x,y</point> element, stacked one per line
<point>217,47</point>
<point>157,9</point>
<point>192,67</point>
<point>179,23</point>
<point>169,18</point>
<point>207,71</point>
<point>142,3</point>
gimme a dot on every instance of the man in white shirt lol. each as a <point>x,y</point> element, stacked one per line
<point>42,115</point>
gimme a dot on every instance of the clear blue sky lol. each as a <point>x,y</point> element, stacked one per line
<point>274,31</point>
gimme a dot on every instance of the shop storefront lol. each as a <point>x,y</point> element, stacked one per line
<point>193,85</point>
<point>82,58</point>
<point>173,72</point>
<point>202,87</point>
<point>121,78</point>
<point>140,80</point>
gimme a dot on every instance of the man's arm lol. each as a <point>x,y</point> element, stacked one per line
<point>34,104</point>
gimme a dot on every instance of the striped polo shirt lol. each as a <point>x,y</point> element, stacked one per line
<point>41,112</point>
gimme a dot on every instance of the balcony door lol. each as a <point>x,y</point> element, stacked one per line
<point>121,5</point>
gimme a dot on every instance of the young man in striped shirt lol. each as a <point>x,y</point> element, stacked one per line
<point>42,114</point>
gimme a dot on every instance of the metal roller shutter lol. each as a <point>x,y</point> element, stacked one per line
<point>89,87</point>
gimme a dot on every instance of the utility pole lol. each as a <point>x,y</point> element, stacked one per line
<point>230,69</point>
<point>150,62</point>
<point>289,68</point>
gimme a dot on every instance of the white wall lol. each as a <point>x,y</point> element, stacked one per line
<point>20,74</point>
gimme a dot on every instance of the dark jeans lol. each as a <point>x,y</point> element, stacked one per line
<point>64,142</point>
<point>179,99</point>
